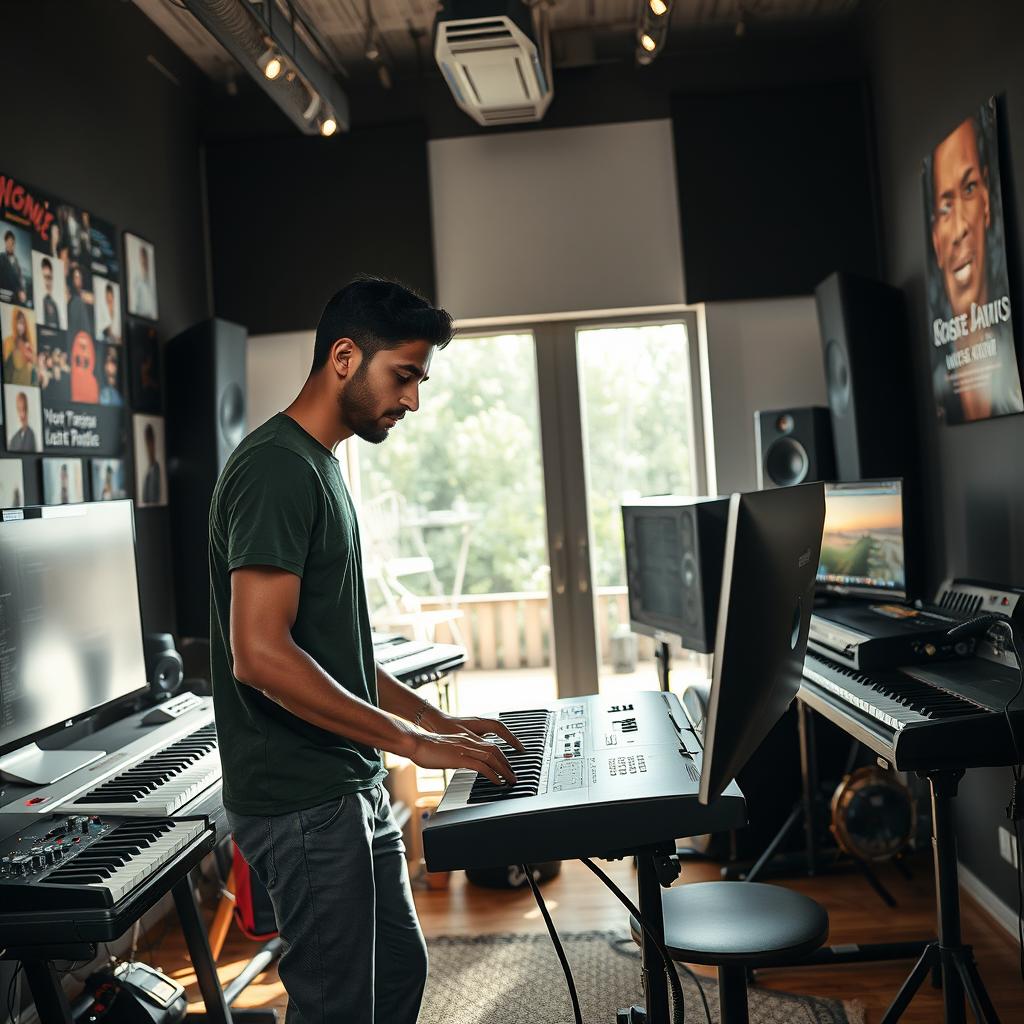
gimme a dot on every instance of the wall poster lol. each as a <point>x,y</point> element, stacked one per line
<point>61,325</point>
<point>975,375</point>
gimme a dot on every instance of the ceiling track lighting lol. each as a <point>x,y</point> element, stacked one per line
<point>652,29</point>
<point>272,40</point>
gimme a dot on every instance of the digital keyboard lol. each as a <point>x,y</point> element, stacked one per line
<point>85,878</point>
<point>155,774</point>
<point>946,715</point>
<point>599,775</point>
<point>416,662</point>
<point>160,784</point>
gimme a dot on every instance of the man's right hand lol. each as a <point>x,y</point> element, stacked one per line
<point>462,750</point>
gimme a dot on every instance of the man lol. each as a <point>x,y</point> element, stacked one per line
<point>110,393</point>
<point>110,333</point>
<point>65,495</point>
<point>24,438</point>
<point>961,215</point>
<point>79,311</point>
<point>303,712</point>
<point>51,314</point>
<point>143,299</point>
<point>12,277</point>
<point>152,485</point>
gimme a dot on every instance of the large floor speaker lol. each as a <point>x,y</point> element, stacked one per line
<point>205,368</point>
<point>793,446</point>
<point>867,371</point>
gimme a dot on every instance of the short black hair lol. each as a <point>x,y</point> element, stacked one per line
<point>110,288</point>
<point>9,234</point>
<point>376,313</point>
<point>46,264</point>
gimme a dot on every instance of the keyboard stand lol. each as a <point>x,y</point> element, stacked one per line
<point>656,867</point>
<point>51,1001</point>
<point>955,960</point>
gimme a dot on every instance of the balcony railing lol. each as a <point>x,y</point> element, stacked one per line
<point>514,630</point>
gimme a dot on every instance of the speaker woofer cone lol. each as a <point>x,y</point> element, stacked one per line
<point>786,462</point>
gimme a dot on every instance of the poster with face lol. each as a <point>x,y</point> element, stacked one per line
<point>23,419</point>
<point>18,330</point>
<point>16,265</point>
<point>108,479</point>
<point>140,264</point>
<point>62,481</point>
<point>150,462</point>
<point>72,315</point>
<point>51,293</point>
<point>975,374</point>
<point>107,310</point>
<point>12,483</point>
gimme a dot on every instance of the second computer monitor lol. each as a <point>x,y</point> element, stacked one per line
<point>772,546</point>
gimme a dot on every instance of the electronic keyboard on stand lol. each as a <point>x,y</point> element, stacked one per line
<point>600,775</point>
<point>416,662</point>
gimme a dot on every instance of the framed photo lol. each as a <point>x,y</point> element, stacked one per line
<point>51,292</point>
<point>108,479</point>
<point>975,374</point>
<point>15,265</point>
<point>23,418</point>
<point>140,265</point>
<point>150,461</point>
<point>18,329</point>
<point>12,483</point>
<point>62,481</point>
<point>107,310</point>
<point>144,360</point>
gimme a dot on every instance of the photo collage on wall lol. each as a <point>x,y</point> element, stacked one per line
<point>73,364</point>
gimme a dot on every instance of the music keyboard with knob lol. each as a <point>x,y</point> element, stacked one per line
<point>599,775</point>
<point>86,878</point>
<point>920,717</point>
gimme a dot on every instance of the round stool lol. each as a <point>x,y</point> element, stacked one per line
<point>735,926</point>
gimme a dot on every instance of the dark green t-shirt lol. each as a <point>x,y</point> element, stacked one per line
<point>281,502</point>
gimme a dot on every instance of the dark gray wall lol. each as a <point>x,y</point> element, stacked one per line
<point>92,121</point>
<point>932,64</point>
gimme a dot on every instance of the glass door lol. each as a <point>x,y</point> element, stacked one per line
<point>639,387</point>
<point>452,512</point>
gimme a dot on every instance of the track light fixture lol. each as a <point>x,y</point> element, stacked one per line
<point>270,63</point>
<point>652,29</point>
<point>328,126</point>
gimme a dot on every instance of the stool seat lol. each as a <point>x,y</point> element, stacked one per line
<point>739,923</point>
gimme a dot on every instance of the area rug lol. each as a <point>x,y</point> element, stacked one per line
<point>516,979</point>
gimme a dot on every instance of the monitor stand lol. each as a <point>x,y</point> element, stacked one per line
<point>37,767</point>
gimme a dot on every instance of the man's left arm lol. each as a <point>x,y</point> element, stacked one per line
<point>398,699</point>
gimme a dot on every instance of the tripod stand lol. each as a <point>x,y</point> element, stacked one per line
<point>955,960</point>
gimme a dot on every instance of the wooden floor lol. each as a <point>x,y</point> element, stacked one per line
<point>578,902</point>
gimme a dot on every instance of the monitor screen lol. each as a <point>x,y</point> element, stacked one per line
<point>70,624</point>
<point>862,548</point>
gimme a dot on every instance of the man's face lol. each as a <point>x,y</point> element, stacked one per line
<point>48,279</point>
<point>960,218</point>
<point>110,367</point>
<point>144,263</point>
<point>76,279</point>
<point>22,403</point>
<point>151,447</point>
<point>9,245</point>
<point>380,392</point>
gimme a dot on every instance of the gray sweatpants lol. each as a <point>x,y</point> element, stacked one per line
<point>336,873</point>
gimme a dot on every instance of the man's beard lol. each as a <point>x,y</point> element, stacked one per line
<point>358,406</point>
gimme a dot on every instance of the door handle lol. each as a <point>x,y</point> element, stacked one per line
<point>583,578</point>
<point>558,564</point>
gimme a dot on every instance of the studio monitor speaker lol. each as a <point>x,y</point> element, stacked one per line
<point>205,370</point>
<point>793,446</point>
<point>868,376</point>
<point>164,667</point>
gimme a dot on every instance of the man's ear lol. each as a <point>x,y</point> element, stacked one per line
<point>344,357</point>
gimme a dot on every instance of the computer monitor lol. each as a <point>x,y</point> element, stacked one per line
<point>862,551</point>
<point>70,627</point>
<point>771,553</point>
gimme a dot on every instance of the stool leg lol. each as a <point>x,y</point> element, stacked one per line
<point>732,993</point>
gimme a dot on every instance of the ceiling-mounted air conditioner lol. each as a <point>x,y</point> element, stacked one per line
<point>495,57</point>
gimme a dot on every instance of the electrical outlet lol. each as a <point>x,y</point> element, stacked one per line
<point>1007,846</point>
